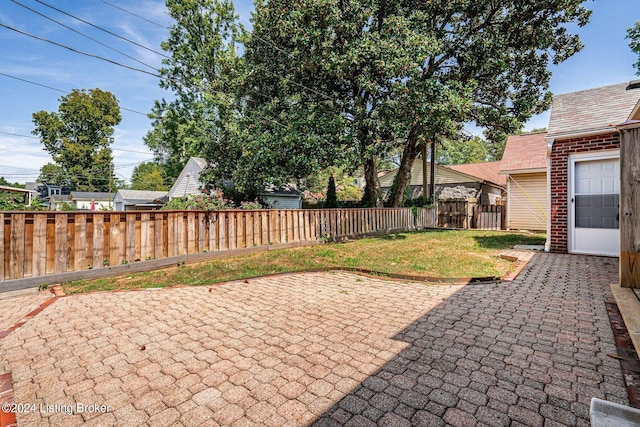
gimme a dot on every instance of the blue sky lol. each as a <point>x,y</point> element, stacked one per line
<point>606,59</point>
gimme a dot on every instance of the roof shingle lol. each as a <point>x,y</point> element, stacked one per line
<point>486,171</point>
<point>592,110</point>
<point>524,152</point>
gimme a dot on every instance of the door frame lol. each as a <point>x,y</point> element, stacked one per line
<point>572,160</point>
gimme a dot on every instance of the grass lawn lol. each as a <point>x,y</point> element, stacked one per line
<point>432,253</point>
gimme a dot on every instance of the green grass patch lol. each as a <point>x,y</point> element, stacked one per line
<point>432,253</point>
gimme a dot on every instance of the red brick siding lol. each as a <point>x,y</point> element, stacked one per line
<point>559,174</point>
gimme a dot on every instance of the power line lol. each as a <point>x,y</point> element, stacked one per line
<point>60,90</point>
<point>112,148</point>
<point>101,29</point>
<point>137,16</point>
<point>128,67</point>
<point>17,134</point>
<point>78,51</point>
<point>33,83</point>
<point>84,35</point>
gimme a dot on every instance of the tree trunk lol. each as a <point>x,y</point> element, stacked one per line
<point>403,177</point>
<point>372,194</point>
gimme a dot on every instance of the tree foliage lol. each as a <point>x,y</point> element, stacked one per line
<point>148,176</point>
<point>6,183</point>
<point>633,34</point>
<point>201,72</point>
<point>332,197</point>
<point>79,136</point>
<point>378,75</point>
<point>348,82</point>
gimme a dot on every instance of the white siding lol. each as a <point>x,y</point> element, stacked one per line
<point>527,201</point>
<point>283,202</point>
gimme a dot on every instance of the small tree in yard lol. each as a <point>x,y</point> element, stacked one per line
<point>332,197</point>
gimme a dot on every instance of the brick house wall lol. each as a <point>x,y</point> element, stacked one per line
<point>559,186</point>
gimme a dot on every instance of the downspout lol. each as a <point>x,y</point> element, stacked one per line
<point>547,243</point>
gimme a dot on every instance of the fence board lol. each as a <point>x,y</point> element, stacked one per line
<point>145,236</point>
<point>80,242</point>
<point>231,226</point>
<point>39,245</point>
<point>130,233</point>
<point>97,259</point>
<point>248,229</point>
<point>61,243</point>
<point>16,255</point>
<point>158,236</point>
<point>241,230</point>
<point>114,239</point>
<point>213,231</point>
<point>202,233</point>
<point>191,232</point>
<point>222,230</point>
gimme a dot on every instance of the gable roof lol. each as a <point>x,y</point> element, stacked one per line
<point>486,171</point>
<point>188,182</point>
<point>525,152</point>
<point>452,174</point>
<point>89,195</point>
<point>596,110</point>
<point>140,196</point>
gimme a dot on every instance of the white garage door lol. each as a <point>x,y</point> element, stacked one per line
<point>594,200</point>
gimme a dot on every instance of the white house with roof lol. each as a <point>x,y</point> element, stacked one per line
<point>188,183</point>
<point>137,200</point>
<point>91,200</point>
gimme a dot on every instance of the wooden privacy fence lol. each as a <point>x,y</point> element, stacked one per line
<point>39,244</point>
<point>464,214</point>
<point>489,217</point>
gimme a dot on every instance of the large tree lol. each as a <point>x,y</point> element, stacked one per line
<point>202,67</point>
<point>367,77</point>
<point>79,136</point>
<point>148,176</point>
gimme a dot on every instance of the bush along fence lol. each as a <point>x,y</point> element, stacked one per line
<point>49,247</point>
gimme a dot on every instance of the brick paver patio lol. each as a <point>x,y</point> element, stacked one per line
<point>325,348</point>
<point>14,309</point>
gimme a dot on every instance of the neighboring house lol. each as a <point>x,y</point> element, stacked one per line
<point>583,149</point>
<point>479,181</point>
<point>188,183</point>
<point>94,201</point>
<point>524,163</point>
<point>285,197</point>
<point>48,193</point>
<point>137,200</point>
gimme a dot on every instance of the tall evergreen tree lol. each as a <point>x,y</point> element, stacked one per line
<point>332,196</point>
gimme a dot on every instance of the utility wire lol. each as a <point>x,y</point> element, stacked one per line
<point>78,51</point>
<point>137,16</point>
<point>119,64</point>
<point>33,83</point>
<point>84,35</point>
<point>60,90</point>
<point>101,29</point>
<point>111,148</point>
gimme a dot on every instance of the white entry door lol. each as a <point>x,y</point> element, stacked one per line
<point>594,205</point>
